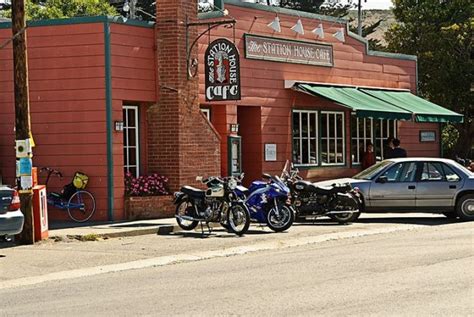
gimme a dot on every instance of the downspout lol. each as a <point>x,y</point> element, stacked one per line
<point>108,110</point>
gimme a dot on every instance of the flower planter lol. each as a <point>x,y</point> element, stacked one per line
<point>149,207</point>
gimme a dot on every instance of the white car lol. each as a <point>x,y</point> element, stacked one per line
<point>11,217</point>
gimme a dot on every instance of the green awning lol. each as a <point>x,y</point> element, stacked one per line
<point>362,104</point>
<point>423,110</point>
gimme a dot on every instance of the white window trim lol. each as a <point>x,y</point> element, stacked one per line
<point>207,113</point>
<point>126,164</point>
<point>300,112</point>
<point>336,137</point>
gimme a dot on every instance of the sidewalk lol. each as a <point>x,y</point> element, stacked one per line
<point>71,230</point>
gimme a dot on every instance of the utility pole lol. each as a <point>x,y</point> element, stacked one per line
<point>359,18</point>
<point>22,119</point>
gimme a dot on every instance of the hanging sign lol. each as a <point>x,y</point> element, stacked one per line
<point>288,51</point>
<point>222,71</point>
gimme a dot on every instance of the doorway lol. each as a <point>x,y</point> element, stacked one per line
<point>249,119</point>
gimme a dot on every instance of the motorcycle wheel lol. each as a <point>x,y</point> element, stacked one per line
<point>184,209</point>
<point>345,218</point>
<point>238,219</point>
<point>283,221</point>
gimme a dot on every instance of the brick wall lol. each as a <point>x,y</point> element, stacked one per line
<point>181,143</point>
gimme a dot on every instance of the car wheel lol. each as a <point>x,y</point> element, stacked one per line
<point>465,207</point>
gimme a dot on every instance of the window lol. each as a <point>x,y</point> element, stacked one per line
<point>402,172</point>
<point>451,176</point>
<point>207,113</point>
<point>332,138</point>
<point>305,137</point>
<point>131,147</point>
<point>364,130</point>
<point>432,171</point>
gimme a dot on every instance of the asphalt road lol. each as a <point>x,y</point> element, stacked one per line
<point>426,270</point>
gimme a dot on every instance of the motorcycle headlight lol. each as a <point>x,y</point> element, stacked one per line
<point>232,183</point>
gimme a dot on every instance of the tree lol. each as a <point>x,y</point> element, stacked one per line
<point>57,9</point>
<point>440,34</point>
<point>318,6</point>
<point>145,9</point>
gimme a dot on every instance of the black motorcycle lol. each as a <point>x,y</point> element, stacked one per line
<point>218,203</point>
<point>339,202</point>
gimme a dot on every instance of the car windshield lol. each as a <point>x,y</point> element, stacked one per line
<point>372,171</point>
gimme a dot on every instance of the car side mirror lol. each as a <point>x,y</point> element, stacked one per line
<point>382,180</point>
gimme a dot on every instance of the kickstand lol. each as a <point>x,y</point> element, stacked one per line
<point>208,227</point>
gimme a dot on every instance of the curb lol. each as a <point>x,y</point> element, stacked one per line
<point>91,236</point>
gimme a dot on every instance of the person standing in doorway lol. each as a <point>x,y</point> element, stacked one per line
<point>369,156</point>
<point>397,150</point>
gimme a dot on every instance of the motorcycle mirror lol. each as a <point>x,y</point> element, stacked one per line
<point>199,178</point>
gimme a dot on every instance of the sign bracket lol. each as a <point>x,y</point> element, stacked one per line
<point>193,63</point>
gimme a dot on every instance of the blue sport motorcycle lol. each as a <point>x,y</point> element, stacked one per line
<point>268,202</point>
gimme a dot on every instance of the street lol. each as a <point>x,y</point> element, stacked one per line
<point>416,265</point>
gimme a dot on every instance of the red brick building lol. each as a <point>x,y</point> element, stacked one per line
<point>87,74</point>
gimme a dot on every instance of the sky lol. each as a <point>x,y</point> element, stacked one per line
<point>375,4</point>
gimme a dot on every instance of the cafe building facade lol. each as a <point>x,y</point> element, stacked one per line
<point>110,96</point>
<point>314,94</point>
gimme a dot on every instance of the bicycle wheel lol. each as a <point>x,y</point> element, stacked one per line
<point>81,206</point>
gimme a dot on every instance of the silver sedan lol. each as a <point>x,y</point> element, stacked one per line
<point>416,185</point>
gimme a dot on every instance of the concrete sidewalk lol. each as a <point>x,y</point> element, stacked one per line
<point>63,230</point>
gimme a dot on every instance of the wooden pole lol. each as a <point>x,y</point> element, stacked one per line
<point>22,112</point>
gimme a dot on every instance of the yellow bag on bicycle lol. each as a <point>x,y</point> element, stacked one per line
<point>80,180</point>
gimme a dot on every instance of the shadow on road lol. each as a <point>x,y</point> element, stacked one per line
<point>427,221</point>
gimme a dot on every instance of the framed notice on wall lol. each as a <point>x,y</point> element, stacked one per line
<point>270,152</point>
<point>427,136</point>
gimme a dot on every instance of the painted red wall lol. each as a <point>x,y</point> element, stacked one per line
<point>67,100</point>
<point>263,82</point>
<point>133,74</point>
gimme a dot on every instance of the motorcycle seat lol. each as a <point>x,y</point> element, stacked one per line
<point>327,190</point>
<point>193,192</point>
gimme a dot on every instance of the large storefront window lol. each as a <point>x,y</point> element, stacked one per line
<point>332,138</point>
<point>318,138</point>
<point>131,148</point>
<point>305,137</point>
<point>365,130</point>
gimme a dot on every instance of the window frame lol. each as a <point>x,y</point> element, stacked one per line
<point>300,137</point>
<point>207,112</point>
<point>126,143</point>
<point>335,137</point>
<point>377,141</point>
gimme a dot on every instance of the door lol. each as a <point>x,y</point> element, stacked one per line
<point>395,189</point>
<point>437,186</point>
<point>131,144</point>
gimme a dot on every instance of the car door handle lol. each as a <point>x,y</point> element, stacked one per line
<point>452,186</point>
<point>411,187</point>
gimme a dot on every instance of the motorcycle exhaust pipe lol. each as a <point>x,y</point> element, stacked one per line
<point>187,218</point>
